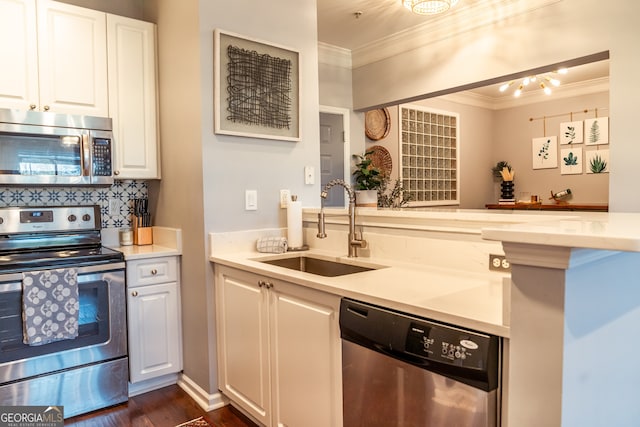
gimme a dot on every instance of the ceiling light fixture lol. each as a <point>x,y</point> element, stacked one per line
<point>428,7</point>
<point>544,81</point>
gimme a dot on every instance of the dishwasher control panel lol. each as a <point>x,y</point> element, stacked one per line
<point>447,344</point>
<point>464,355</point>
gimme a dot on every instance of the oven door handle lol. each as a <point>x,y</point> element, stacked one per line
<point>13,282</point>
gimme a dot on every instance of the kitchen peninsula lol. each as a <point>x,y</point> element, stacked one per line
<point>571,292</point>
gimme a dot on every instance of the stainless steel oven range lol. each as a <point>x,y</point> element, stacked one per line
<point>89,371</point>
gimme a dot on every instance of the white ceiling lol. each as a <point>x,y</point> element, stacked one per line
<point>360,24</point>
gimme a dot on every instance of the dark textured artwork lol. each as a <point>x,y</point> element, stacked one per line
<point>258,89</point>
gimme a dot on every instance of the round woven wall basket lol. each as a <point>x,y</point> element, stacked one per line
<point>377,123</point>
<point>381,158</point>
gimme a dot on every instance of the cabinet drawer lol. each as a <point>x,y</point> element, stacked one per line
<point>151,271</point>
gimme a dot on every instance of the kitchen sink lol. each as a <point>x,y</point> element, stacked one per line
<point>321,267</point>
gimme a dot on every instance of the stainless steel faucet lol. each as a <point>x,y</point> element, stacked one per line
<point>354,242</point>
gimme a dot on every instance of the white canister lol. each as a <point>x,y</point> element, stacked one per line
<point>126,237</point>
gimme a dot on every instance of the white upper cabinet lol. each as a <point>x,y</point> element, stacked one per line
<point>68,59</point>
<point>19,53</point>
<point>54,58</point>
<point>72,59</point>
<point>132,96</point>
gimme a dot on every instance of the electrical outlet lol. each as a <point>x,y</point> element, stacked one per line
<point>114,206</point>
<point>499,263</point>
<point>285,196</point>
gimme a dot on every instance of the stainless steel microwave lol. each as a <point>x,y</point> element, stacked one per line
<point>42,148</point>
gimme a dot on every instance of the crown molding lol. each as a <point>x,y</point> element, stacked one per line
<point>461,20</point>
<point>569,90</point>
<point>334,55</point>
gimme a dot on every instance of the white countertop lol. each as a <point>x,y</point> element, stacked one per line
<point>166,242</point>
<point>606,231</point>
<point>146,251</point>
<point>470,300</point>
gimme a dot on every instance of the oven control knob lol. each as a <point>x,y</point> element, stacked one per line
<point>71,218</point>
<point>86,217</point>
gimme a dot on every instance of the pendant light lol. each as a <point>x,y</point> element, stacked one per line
<point>428,7</point>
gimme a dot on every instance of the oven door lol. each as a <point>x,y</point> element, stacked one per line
<point>44,155</point>
<point>102,325</point>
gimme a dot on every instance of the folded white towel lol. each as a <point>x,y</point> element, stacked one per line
<point>50,305</point>
<point>274,245</point>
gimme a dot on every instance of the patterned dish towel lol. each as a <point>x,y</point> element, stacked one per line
<point>50,305</point>
<point>274,245</point>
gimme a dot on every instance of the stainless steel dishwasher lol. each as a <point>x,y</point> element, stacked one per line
<point>406,371</point>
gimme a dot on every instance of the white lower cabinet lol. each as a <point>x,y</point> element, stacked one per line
<point>153,306</point>
<point>279,350</point>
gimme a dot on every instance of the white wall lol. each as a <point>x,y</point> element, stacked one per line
<point>559,32</point>
<point>204,174</point>
<point>233,164</point>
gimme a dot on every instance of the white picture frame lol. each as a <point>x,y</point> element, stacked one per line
<point>571,133</point>
<point>544,151</point>
<point>571,161</point>
<point>247,116</point>
<point>596,131</point>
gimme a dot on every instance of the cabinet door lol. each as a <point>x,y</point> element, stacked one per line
<point>132,96</point>
<point>307,379</point>
<point>243,348</point>
<point>154,334</point>
<point>18,50</point>
<point>72,54</point>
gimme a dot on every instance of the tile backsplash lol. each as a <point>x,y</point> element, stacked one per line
<point>121,193</point>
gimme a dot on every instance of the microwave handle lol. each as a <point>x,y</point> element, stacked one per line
<point>86,155</point>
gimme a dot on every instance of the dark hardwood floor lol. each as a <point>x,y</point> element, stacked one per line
<point>166,407</point>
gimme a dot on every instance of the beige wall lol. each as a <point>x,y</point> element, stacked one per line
<point>130,8</point>
<point>178,196</point>
<point>558,32</point>
<point>512,142</point>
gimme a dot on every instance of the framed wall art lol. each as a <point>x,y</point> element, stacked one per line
<point>597,161</point>
<point>571,133</point>
<point>571,161</point>
<point>596,131</point>
<point>256,88</point>
<point>544,152</point>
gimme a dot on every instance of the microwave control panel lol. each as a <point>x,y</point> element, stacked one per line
<point>102,157</point>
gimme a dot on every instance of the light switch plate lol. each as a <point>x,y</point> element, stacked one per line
<point>250,200</point>
<point>309,175</point>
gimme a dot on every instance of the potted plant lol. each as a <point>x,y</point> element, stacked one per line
<point>368,179</point>
<point>396,197</point>
<point>504,171</point>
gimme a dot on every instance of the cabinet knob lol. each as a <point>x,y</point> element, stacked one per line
<point>260,283</point>
<point>154,272</point>
<point>116,173</point>
<point>46,108</point>
<point>134,293</point>
<point>32,106</point>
